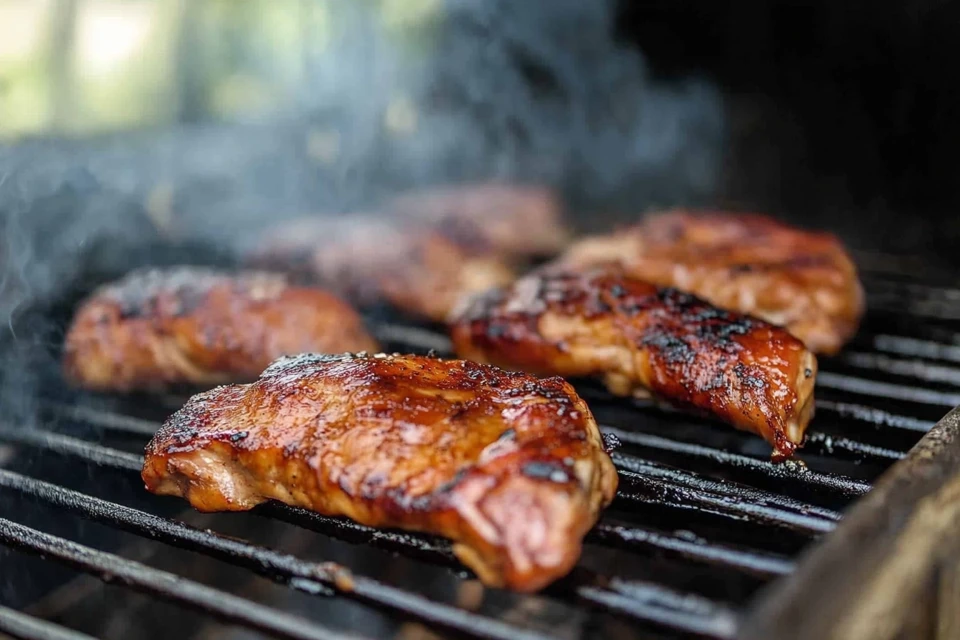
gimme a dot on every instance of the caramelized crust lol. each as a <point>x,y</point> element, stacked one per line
<point>750,374</point>
<point>371,260</point>
<point>509,221</point>
<point>156,327</point>
<point>749,263</point>
<point>509,466</point>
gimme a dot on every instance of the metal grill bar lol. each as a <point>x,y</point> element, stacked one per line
<point>23,627</point>
<point>847,410</point>
<point>131,462</point>
<point>842,446</point>
<point>162,584</point>
<point>415,337</point>
<point>861,386</point>
<point>906,346</point>
<point>683,489</point>
<point>713,621</point>
<point>643,482</point>
<point>87,451</point>
<point>317,578</point>
<point>436,551</point>
<point>826,444</point>
<point>630,537</point>
<point>105,419</point>
<point>908,368</point>
<point>757,564</point>
<point>895,326</point>
<point>762,565</point>
<point>875,417</point>
<point>310,577</point>
<point>846,487</point>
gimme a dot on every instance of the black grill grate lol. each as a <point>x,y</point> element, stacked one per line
<point>702,519</point>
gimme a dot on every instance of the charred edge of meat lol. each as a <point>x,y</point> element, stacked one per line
<point>138,292</point>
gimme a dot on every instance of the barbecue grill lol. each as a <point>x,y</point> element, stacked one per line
<point>706,538</point>
<point>843,124</point>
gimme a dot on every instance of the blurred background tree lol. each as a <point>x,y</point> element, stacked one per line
<point>79,67</point>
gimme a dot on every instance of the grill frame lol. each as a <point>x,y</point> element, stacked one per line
<point>901,575</point>
<point>648,482</point>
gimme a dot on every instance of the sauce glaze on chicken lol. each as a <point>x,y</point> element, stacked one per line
<point>158,327</point>
<point>801,280</point>
<point>744,371</point>
<point>509,466</point>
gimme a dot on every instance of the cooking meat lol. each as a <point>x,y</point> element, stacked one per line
<point>749,263</point>
<point>190,325</point>
<point>753,375</point>
<point>509,221</point>
<point>371,259</point>
<point>509,466</point>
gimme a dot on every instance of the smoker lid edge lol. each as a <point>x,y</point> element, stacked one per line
<point>893,558</point>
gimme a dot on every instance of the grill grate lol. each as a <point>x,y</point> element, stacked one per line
<point>702,519</point>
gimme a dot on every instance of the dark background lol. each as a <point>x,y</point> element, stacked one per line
<point>846,113</point>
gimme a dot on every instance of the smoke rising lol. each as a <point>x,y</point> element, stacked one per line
<point>522,91</point>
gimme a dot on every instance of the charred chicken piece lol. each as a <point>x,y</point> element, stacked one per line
<point>749,263</point>
<point>509,466</point>
<point>509,221</point>
<point>158,327</point>
<point>750,374</point>
<point>371,259</point>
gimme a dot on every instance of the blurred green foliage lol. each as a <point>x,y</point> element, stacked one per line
<point>77,67</point>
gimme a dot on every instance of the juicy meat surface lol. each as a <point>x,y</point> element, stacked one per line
<point>509,221</point>
<point>746,372</point>
<point>749,263</point>
<point>509,466</point>
<point>372,259</point>
<point>157,327</point>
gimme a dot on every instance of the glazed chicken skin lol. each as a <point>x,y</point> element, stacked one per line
<point>370,259</point>
<point>508,221</point>
<point>682,350</point>
<point>509,466</point>
<point>158,327</point>
<point>800,280</point>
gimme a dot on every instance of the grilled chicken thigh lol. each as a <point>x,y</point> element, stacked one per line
<point>511,467</point>
<point>370,259</point>
<point>753,375</point>
<point>191,325</point>
<point>509,221</point>
<point>749,263</point>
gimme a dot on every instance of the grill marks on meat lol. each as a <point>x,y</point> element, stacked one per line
<point>509,466</point>
<point>158,327</point>
<point>749,263</point>
<point>369,260</point>
<point>750,374</point>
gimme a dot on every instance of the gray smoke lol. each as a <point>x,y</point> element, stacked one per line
<point>529,91</point>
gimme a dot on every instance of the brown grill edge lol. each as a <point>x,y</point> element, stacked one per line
<point>897,549</point>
